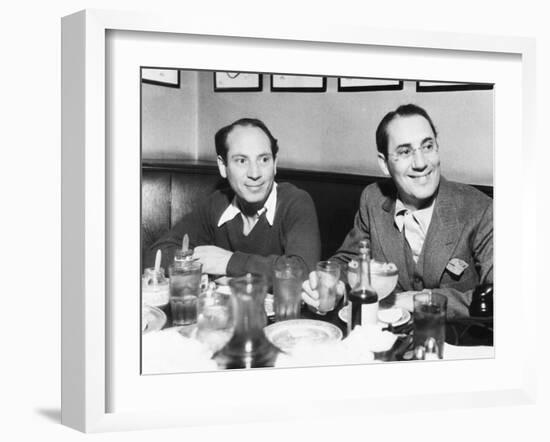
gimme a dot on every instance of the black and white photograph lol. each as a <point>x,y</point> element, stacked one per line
<point>300,230</point>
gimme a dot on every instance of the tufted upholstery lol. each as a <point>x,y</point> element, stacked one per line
<point>172,189</point>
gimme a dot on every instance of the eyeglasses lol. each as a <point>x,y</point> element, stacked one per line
<point>406,152</point>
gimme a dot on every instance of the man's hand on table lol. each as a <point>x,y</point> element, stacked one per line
<point>310,295</point>
<point>214,259</point>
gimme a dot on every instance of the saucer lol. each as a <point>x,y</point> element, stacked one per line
<point>403,319</point>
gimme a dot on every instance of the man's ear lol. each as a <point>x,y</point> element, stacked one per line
<point>275,166</point>
<point>221,167</point>
<point>383,164</point>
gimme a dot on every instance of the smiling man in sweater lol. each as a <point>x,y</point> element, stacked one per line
<point>247,226</point>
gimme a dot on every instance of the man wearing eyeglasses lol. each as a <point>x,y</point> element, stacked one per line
<point>438,233</point>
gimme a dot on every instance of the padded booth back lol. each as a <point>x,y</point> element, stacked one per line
<point>170,190</point>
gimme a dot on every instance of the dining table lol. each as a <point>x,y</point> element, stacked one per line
<point>465,338</point>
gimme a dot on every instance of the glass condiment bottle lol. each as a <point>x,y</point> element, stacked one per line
<point>363,298</point>
<point>248,347</point>
<point>182,258</point>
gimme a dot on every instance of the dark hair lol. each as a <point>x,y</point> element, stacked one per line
<point>221,136</point>
<point>405,110</point>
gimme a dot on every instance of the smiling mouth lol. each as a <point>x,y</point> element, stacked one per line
<point>422,177</point>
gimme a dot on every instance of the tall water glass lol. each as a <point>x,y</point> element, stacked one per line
<point>185,279</point>
<point>214,318</point>
<point>287,288</point>
<point>430,312</point>
<point>328,275</point>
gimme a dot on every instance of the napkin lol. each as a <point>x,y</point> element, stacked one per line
<point>370,338</point>
<point>358,348</point>
<point>323,354</point>
<point>167,351</point>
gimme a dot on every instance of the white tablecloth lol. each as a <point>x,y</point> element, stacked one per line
<point>168,351</point>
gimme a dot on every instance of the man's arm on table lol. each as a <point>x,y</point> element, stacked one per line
<point>193,224</point>
<point>345,253</point>
<point>301,240</point>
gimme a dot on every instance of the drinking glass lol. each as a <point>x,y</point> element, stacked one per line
<point>185,279</point>
<point>430,311</point>
<point>328,275</point>
<point>214,319</point>
<point>154,287</point>
<point>287,288</point>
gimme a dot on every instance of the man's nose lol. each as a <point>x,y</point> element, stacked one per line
<point>254,170</point>
<point>419,160</point>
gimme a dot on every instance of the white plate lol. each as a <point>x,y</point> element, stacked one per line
<point>405,316</point>
<point>287,334</point>
<point>152,318</point>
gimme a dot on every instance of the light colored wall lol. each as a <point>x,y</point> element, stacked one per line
<point>334,131</point>
<point>169,119</point>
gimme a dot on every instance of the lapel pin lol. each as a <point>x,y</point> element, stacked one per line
<point>456,266</point>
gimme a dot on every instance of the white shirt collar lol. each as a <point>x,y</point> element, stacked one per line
<point>423,216</point>
<point>270,204</point>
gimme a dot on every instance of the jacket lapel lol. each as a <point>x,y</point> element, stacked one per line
<point>442,236</point>
<point>392,241</point>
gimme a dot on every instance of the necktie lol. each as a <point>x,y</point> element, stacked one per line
<point>413,234</point>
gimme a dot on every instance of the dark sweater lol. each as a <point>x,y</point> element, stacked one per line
<point>295,232</point>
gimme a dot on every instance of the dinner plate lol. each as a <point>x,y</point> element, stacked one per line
<point>403,319</point>
<point>287,334</point>
<point>152,318</point>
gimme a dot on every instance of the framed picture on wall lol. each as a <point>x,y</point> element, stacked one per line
<point>298,83</point>
<point>161,77</point>
<point>237,82</point>
<point>368,84</point>
<point>443,86</point>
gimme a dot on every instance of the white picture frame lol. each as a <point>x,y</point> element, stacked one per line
<point>89,175</point>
